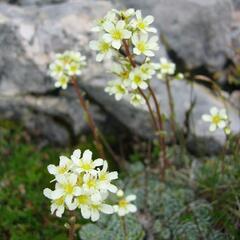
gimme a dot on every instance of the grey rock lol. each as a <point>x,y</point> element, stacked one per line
<point>236,4</point>
<point>235,98</point>
<point>29,38</point>
<point>35,2</point>
<point>58,120</point>
<point>196,31</point>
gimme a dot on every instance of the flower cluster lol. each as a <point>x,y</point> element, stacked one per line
<point>65,66</point>
<point>82,183</point>
<point>218,119</point>
<point>85,184</point>
<point>119,31</point>
<point>132,41</point>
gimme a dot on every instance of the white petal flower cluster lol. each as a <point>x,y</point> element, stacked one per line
<point>65,66</point>
<point>125,205</point>
<point>117,30</point>
<point>217,118</point>
<point>81,183</point>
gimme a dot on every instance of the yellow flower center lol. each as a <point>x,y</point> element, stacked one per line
<point>59,201</point>
<point>124,75</point>
<point>165,66</point>
<point>58,68</point>
<point>62,169</point>
<point>117,35</point>
<point>83,199</point>
<point>91,183</point>
<point>137,79</point>
<point>103,177</point>
<point>120,89</point>
<point>141,25</point>
<point>122,203</point>
<point>141,46</point>
<point>73,68</point>
<point>216,119</point>
<point>63,80</point>
<point>80,180</point>
<point>104,47</point>
<point>68,188</point>
<point>86,166</point>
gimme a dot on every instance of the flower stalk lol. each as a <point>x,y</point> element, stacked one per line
<point>90,120</point>
<point>164,159</point>
<point>172,110</point>
<point>158,124</point>
<point>71,233</point>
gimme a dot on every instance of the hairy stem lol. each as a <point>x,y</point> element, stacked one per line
<point>154,122</point>
<point>128,53</point>
<point>71,233</point>
<point>172,110</point>
<point>90,120</point>
<point>133,63</point>
<point>158,127</point>
<point>124,227</point>
<point>161,127</point>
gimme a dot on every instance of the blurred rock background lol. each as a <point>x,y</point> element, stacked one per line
<point>201,37</point>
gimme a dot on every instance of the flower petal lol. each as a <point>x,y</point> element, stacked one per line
<point>85,211</point>
<point>206,118</point>
<point>113,175</point>
<point>57,193</point>
<point>107,209</point>
<point>94,215</point>
<point>52,169</point>
<point>98,162</point>
<point>131,197</point>
<point>47,193</point>
<point>131,208</point>
<point>87,156</point>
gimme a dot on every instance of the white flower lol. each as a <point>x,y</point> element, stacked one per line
<point>56,69</point>
<point>148,70</point>
<point>77,57</point>
<point>85,163</point>
<point>105,178</point>
<point>137,79</point>
<point>117,88</point>
<point>96,208</point>
<point>63,167</point>
<point>110,17</point>
<point>126,14</point>
<point>143,45</point>
<point>166,67</point>
<point>116,33</point>
<point>73,69</point>
<point>66,187</point>
<point>124,205</point>
<point>83,201</point>
<point>122,71</point>
<point>90,183</point>
<point>136,99</point>
<point>143,24</point>
<point>62,82</point>
<point>104,48</point>
<point>217,119</point>
<point>57,205</point>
